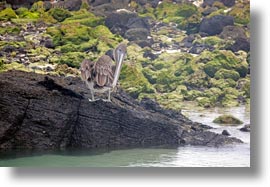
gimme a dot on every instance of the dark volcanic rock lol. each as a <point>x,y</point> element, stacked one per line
<point>47,42</point>
<point>21,3</point>
<point>246,128</point>
<point>137,34</point>
<point>225,133</point>
<point>72,5</point>
<point>209,10</point>
<point>199,48</point>
<point>236,33</point>
<point>130,26</point>
<point>117,22</point>
<point>138,22</point>
<point>214,25</point>
<point>149,54</point>
<point>105,8</point>
<point>233,32</point>
<point>227,3</point>
<point>98,2</point>
<point>240,44</point>
<point>45,112</point>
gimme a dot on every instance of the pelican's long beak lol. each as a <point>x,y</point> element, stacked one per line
<point>119,59</point>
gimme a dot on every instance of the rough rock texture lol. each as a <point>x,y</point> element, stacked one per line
<point>45,112</point>
<point>227,3</point>
<point>21,3</point>
<point>246,128</point>
<point>240,44</point>
<point>233,32</point>
<point>214,25</point>
<point>68,4</point>
<point>130,26</point>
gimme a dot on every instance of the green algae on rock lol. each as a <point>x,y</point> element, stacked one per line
<point>227,120</point>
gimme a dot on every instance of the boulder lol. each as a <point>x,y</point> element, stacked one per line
<point>227,120</point>
<point>137,22</point>
<point>42,112</point>
<point>72,5</point>
<point>214,25</point>
<point>21,3</point>
<point>232,32</point>
<point>137,34</point>
<point>129,25</point>
<point>240,44</point>
<point>104,8</point>
<point>117,21</point>
<point>228,3</point>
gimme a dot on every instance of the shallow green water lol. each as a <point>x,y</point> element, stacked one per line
<point>187,156</point>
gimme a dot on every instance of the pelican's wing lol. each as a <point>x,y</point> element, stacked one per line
<point>86,69</point>
<point>103,71</point>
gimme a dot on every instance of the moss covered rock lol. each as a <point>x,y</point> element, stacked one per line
<point>133,81</point>
<point>228,120</point>
<point>25,13</point>
<point>222,83</point>
<point>7,14</point>
<point>227,74</point>
<point>150,75</point>
<point>241,13</point>
<point>192,95</point>
<point>220,60</point>
<point>72,59</point>
<point>10,30</point>
<point>59,14</point>
<point>205,102</point>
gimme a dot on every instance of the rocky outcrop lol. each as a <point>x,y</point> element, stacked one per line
<point>47,112</point>
<point>214,25</point>
<point>129,25</point>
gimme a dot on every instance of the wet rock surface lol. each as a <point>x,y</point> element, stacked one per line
<point>47,112</point>
<point>245,128</point>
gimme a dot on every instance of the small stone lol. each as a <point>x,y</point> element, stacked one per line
<point>225,133</point>
<point>246,128</point>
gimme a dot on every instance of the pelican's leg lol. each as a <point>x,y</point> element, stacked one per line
<point>92,95</point>
<point>109,96</point>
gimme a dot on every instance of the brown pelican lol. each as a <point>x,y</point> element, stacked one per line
<point>102,76</point>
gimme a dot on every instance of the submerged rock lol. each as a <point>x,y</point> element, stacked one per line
<point>47,112</point>
<point>228,120</point>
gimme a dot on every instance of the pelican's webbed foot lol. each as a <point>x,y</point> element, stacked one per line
<point>106,100</point>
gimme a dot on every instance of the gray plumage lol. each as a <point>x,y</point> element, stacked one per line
<point>102,75</point>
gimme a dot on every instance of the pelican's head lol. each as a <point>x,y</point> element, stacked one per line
<point>119,53</point>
